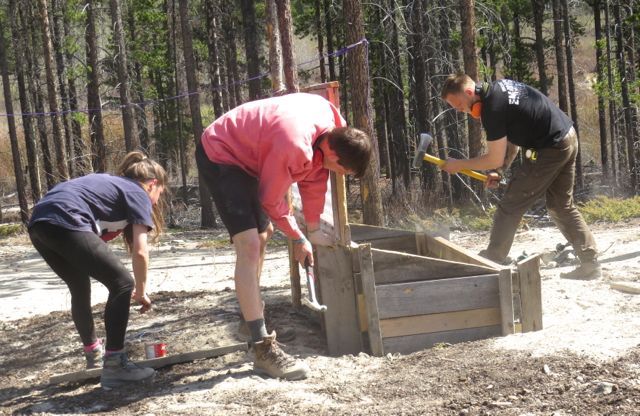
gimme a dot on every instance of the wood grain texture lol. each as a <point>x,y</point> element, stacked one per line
<point>530,294</point>
<point>412,343</point>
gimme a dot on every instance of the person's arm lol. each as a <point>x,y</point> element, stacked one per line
<point>493,158</point>
<point>140,265</point>
<point>511,153</point>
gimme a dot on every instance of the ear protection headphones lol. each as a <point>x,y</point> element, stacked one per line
<point>476,108</point>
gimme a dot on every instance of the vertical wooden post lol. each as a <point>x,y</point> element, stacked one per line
<point>506,301</point>
<point>371,301</point>
<point>530,294</point>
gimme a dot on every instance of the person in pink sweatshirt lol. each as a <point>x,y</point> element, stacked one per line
<point>248,158</point>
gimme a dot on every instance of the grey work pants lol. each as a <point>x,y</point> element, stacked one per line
<point>551,175</point>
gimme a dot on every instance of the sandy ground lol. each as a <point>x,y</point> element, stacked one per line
<point>591,336</point>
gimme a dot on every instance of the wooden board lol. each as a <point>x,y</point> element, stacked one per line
<point>444,249</point>
<point>153,363</point>
<point>367,280</point>
<point>362,232</point>
<point>395,267</point>
<point>506,301</point>
<point>626,287</point>
<point>337,291</point>
<point>412,343</point>
<point>438,296</point>
<point>438,322</point>
<point>339,203</point>
<point>530,294</point>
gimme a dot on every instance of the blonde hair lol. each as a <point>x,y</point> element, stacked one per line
<point>137,166</point>
<point>456,83</point>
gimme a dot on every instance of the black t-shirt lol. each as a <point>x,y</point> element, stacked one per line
<point>526,116</point>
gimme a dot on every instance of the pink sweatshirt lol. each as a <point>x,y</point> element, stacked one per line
<point>272,140</point>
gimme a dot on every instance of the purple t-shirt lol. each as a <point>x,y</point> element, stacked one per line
<point>99,202</point>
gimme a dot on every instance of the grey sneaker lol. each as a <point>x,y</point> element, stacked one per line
<point>272,361</point>
<point>586,271</point>
<point>118,370</point>
<point>94,357</point>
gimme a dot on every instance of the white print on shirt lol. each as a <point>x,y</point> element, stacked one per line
<point>513,89</point>
<point>104,227</point>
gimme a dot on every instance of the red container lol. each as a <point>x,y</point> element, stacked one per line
<point>155,350</point>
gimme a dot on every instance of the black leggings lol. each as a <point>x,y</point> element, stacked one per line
<point>76,255</point>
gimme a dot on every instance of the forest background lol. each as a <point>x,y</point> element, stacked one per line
<point>86,81</point>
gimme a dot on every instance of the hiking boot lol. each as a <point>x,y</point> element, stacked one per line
<point>244,334</point>
<point>504,262</point>
<point>272,361</point>
<point>94,357</point>
<point>117,370</point>
<point>589,270</point>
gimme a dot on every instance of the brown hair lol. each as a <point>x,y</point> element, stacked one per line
<point>137,166</point>
<point>455,83</point>
<point>353,148</point>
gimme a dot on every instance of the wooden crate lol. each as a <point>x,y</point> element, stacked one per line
<point>401,291</point>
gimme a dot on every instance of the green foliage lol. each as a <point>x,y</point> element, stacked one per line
<point>7,230</point>
<point>605,209</point>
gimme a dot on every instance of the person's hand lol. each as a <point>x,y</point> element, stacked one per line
<point>452,166</point>
<point>143,300</point>
<point>493,180</point>
<point>302,251</point>
<point>320,238</point>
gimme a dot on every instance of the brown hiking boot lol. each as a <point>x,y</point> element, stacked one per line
<point>272,361</point>
<point>586,271</point>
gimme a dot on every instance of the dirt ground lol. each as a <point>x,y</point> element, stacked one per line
<point>585,362</point>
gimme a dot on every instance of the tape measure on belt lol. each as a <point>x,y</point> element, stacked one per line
<point>531,154</point>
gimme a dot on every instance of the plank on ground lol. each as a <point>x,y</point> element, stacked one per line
<point>412,343</point>
<point>626,287</point>
<point>154,363</point>
<point>530,294</point>
<point>395,267</point>
<point>438,296</point>
<point>438,322</point>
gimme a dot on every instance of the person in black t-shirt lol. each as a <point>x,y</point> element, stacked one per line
<point>70,226</point>
<point>516,115</point>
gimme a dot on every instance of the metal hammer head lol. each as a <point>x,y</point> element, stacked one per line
<point>421,149</point>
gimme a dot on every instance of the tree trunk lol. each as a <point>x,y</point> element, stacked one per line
<point>179,68</point>
<point>602,119</point>
<point>131,141</point>
<point>139,111</point>
<point>275,50</point>
<point>560,62</point>
<point>207,218</point>
<point>579,179</point>
<point>214,59</point>
<point>318,21</point>
<point>52,91</point>
<point>96,129</point>
<point>285,25</point>
<point>631,81</point>
<point>25,105</point>
<point>626,102</point>
<point>57,12</point>
<point>13,134</point>
<point>538,19</point>
<point>251,45</point>
<point>361,103</point>
<point>329,29</point>
<point>613,126</point>
<point>231,55</point>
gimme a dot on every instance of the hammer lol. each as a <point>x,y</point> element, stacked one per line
<point>421,154</point>
<point>312,303</point>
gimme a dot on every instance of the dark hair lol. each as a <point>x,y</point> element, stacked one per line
<point>353,148</point>
<point>137,166</point>
<point>455,83</point>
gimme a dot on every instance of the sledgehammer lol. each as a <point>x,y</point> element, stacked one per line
<point>421,154</point>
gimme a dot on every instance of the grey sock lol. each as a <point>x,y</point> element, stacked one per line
<point>258,330</point>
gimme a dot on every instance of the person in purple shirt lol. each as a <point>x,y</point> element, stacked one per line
<point>70,226</point>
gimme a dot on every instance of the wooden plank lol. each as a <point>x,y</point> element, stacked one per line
<point>444,249</point>
<point>396,267</point>
<point>438,322</point>
<point>422,247</point>
<point>530,294</point>
<point>400,244</point>
<point>506,301</point>
<point>626,287</point>
<point>438,296</point>
<point>337,292</point>
<point>370,299</point>
<point>362,232</point>
<point>339,202</point>
<point>153,363</point>
<point>412,343</point>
